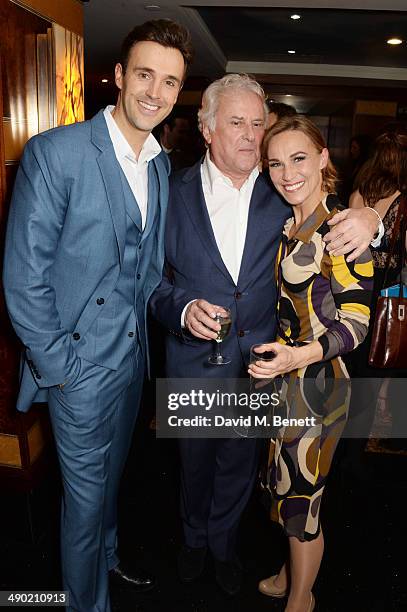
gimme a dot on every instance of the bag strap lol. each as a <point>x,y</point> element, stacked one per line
<point>402,244</point>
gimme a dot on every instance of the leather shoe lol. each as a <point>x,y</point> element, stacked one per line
<point>138,580</point>
<point>191,563</point>
<point>229,576</point>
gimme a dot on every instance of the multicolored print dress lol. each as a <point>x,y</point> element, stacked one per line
<point>324,298</point>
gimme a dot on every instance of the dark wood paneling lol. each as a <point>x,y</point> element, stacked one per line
<point>68,13</point>
<point>18,120</point>
<point>18,51</point>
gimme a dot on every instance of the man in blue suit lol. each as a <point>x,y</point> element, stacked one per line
<point>84,252</point>
<point>224,226</point>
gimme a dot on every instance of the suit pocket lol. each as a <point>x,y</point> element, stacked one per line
<point>79,376</point>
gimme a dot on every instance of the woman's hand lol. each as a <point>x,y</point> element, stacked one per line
<point>283,362</point>
<point>287,358</point>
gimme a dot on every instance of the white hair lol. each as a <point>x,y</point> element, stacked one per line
<point>223,86</point>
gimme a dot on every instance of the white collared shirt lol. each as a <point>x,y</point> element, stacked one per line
<point>135,170</point>
<point>228,210</point>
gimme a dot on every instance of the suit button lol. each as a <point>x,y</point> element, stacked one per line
<point>240,333</point>
<point>139,246</point>
<point>139,276</point>
<point>100,301</point>
<point>37,375</point>
<point>238,295</point>
<point>76,336</point>
<point>130,334</point>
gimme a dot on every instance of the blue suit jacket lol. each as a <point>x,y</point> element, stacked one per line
<point>195,269</point>
<point>65,242</point>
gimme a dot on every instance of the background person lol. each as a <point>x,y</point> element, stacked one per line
<point>359,153</point>
<point>177,139</point>
<point>277,110</point>
<point>383,180</point>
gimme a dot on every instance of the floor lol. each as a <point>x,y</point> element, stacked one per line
<point>364,567</point>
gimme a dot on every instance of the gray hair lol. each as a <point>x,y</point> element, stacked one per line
<point>223,86</point>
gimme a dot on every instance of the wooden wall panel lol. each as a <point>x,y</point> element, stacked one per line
<point>68,13</point>
<point>18,47</point>
<point>18,120</point>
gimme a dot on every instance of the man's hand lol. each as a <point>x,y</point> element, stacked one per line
<point>199,319</point>
<point>353,232</point>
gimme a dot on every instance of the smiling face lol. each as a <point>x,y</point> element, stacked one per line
<point>235,141</point>
<point>295,167</point>
<point>148,89</point>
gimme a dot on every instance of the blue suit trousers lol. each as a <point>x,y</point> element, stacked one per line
<point>93,419</point>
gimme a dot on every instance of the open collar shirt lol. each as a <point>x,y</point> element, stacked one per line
<point>228,209</point>
<point>135,170</point>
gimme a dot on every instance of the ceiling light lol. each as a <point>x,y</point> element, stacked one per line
<point>394,41</point>
<point>295,16</point>
<point>105,80</point>
<point>152,7</point>
<point>291,51</point>
<point>288,95</point>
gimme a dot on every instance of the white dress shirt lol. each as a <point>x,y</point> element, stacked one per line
<point>135,170</point>
<point>228,209</point>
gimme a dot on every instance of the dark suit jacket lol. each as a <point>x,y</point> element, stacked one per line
<point>194,269</point>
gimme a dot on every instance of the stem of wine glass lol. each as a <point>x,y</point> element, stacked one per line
<point>217,350</point>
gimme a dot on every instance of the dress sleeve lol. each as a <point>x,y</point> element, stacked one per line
<point>351,286</point>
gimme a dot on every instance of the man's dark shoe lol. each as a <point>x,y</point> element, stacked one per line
<point>229,576</point>
<point>138,580</point>
<point>191,563</point>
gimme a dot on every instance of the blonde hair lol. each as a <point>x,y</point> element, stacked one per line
<point>307,127</point>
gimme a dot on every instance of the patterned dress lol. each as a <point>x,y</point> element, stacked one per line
<point>324,298</point>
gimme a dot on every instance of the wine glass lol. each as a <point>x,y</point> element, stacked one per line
<point>225,322</point>
<point>258,383</point>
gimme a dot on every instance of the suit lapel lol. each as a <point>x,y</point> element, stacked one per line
<point>152,198</point>
<point>194,202</point>
<point>111,177</point>
<point>260,212</point>
<point>161,169</point>
<point>110,171</point>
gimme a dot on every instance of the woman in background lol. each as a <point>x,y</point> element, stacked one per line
<point>382,182</point>
<point>359,153</point>
<point>323,312</point>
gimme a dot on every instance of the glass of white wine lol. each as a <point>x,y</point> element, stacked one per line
<point>225,322</point>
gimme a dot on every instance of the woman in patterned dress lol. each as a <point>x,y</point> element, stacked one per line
<point>323,313</point>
